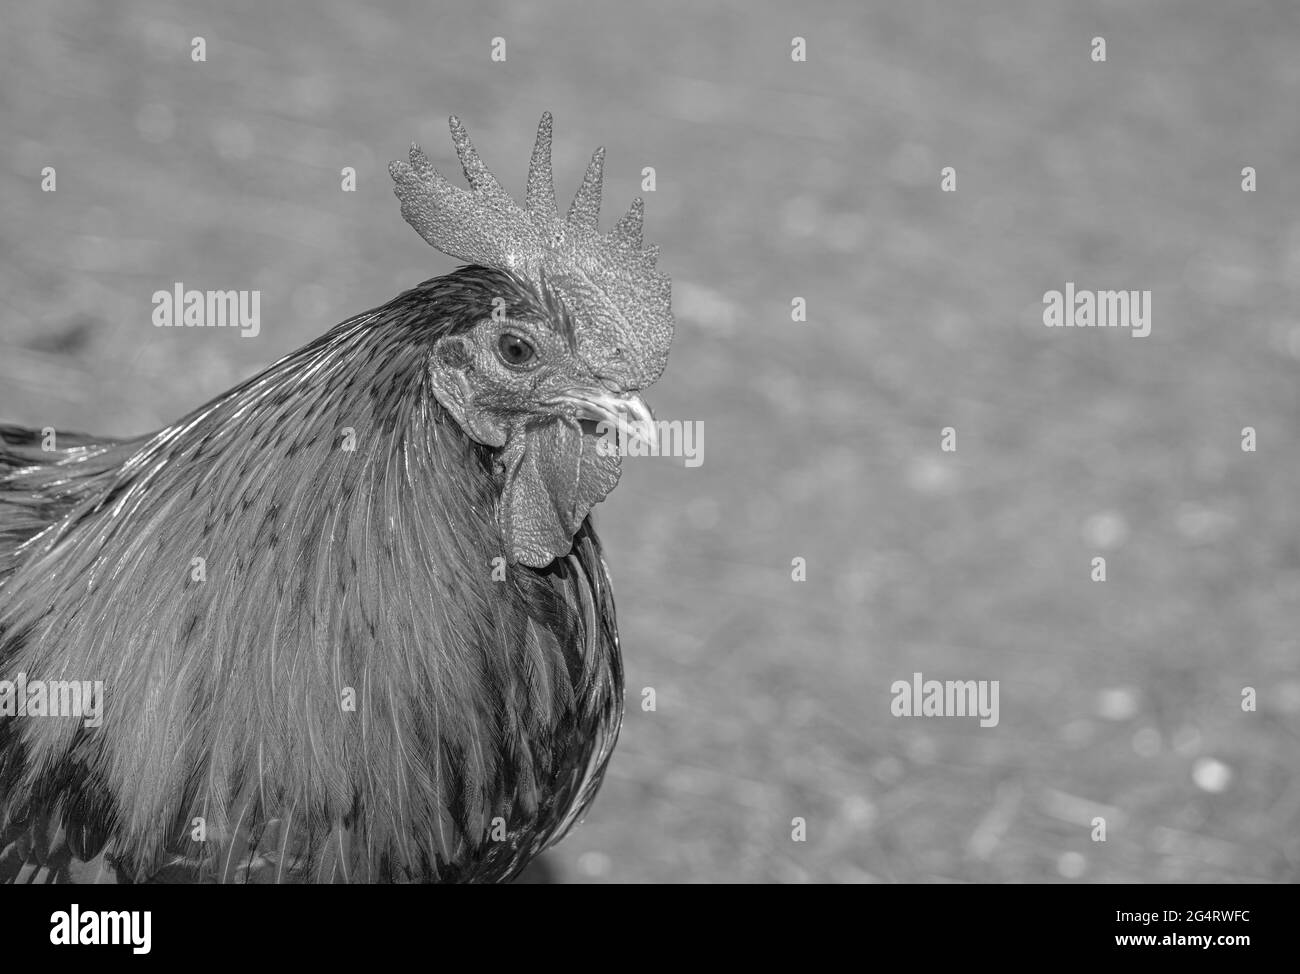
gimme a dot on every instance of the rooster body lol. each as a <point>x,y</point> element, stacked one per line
<point>351,618</point>
<point>370,570</point>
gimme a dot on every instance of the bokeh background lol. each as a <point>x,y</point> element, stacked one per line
<point>779,179</point>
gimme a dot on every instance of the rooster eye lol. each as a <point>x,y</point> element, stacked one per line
<point>515,351</point>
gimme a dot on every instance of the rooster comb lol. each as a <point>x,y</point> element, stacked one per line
<point>621,305</point>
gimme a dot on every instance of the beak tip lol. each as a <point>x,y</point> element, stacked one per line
<point>627,413</point>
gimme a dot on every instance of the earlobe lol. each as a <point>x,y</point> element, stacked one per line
<point>449,377</point>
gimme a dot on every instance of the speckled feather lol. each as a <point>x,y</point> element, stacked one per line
<point>326,569</point>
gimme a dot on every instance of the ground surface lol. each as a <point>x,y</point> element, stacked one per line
<point>778,179</point>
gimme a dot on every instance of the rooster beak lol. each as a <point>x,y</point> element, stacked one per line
<point>626,413</point>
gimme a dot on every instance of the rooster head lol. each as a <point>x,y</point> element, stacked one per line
<point>551,376</point>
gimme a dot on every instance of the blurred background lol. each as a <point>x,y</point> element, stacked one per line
<point>778,179</point>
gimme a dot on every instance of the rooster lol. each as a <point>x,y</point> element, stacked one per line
<point>349,621</point>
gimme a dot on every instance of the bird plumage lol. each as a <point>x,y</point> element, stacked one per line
<point>317,664</point>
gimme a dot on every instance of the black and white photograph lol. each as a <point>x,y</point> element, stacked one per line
<point>836,443</point>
